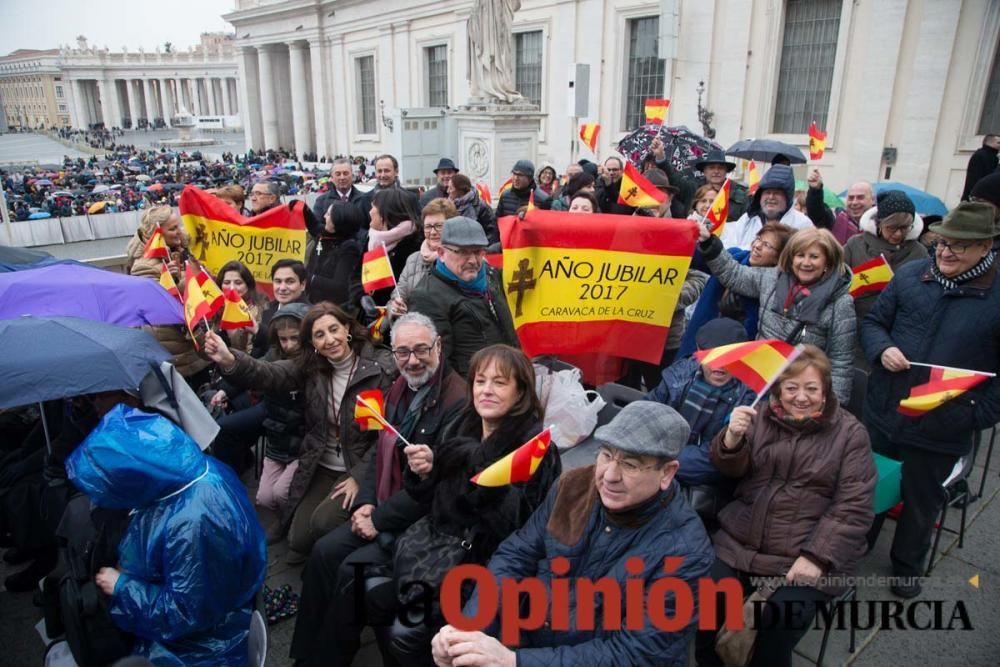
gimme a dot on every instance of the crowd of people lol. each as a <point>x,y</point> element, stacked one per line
<point>377,516</point>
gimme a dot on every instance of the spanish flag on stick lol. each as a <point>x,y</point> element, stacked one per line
<point>588,134</point>
<point>375,328</point>
<point>156,247</point>
<point>531,201</point>
<point>369,410</point>
<point>817,142</point>
<point>167,282</point>
<point>638,192</point>
<point>656,111</point>
<point>212,293</point>
<point>757,363</point>
<point>753,177</point>
<point>945,384</point>
<point>518,466</point>
<point>719,211</point>
<point>376,271</point>
<point>195,306</point>
<point>235,314</point>
<point>872,276</point>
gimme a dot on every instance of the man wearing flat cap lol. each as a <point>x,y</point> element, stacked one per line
<point>626,505</point>
<point>942,310</point>
<point>714,168</point>
<point>464,295</point>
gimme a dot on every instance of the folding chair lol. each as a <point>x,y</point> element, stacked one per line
<point>842,599</point>
<point>957,494</point>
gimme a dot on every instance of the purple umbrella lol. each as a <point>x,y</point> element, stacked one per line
<point>77,290</point>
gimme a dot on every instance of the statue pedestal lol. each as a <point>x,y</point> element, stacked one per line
<point>492,137</point>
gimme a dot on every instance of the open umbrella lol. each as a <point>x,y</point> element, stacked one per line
<point>156,187</point>
<point>100,188</point>
<point>64,356</point>
<point>18,259</point>
<point>830,197</point>
<point>97,207</point>
<point>142,177</point>
<point>764,150</point>
<point>61,193</point>
<point>43,181</point>
<point>684,146</point>
<point>39,215</point>
<point>924,202</point>
<point>78,290</point>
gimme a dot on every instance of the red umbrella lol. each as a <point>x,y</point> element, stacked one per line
<point>155,187</point>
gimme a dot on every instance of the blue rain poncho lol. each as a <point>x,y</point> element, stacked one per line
<point>194,554</point>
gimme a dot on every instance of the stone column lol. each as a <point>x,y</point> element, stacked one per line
<point>268,104</point>
<point>166,104</point>
<point>213,106</point>
<point>147,101</point>
<point>317,57</point>
<point>80,122</point>
<point>227,100</point>
<point>133,112</point>
<point>300,97</point>
<point>107,113</point>
<point>248,86</point>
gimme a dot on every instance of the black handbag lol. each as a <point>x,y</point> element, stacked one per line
<point>425,554</point>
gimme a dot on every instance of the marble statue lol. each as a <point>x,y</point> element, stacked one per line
<point>491,51</point>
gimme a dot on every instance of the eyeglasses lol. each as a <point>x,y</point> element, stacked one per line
<point>466,252</point>
<point>629,467</point>
<point>895,230</point>
<point>764,244</point>
<point>254,193</point>
<point>421,351</point>
<point>957,249</point>
<point>434,228</point>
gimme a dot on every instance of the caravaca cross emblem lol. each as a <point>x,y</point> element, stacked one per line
<point>523,279</point>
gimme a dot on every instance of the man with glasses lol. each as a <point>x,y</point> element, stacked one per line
<point>264,195</point>
<point>625,506</point>
<point>608,187</point>
<point>422,403</point>
<point>522,185</point>
<point>464,296</point>
<point>943,310</point>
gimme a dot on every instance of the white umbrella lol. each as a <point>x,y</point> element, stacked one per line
<point>100,188</point>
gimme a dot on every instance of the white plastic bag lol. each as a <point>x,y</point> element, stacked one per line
<point>569,409</point>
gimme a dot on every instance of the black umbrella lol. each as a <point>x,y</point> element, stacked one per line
<point>765,150</point>
<point>684,147</point>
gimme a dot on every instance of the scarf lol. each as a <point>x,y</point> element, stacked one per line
<point>806,304</point>
<point>479,285</point>
<point>796,424</point>
<point>952,283</point>
<point>388,463</point>
<point>427,253</point>
<point>390,237</point>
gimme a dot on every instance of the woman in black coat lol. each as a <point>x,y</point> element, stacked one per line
<point>393,223</point>
<point>335,266</point>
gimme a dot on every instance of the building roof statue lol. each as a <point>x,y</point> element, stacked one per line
<point>491,46</point>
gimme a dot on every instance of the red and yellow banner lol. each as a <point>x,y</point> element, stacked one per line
<point>594,284</point>
<point>588,134</point>
<point>656,111</point>
<point>872,276</point>
<point>817,142</point>
<point>944,384</point>
<point>484,193</point>
<point>219,234</point>
<point>167,282</point>
<point>212,293</point>
<point>518,466</point>
<point>504,187</point>
<point>195,306</point>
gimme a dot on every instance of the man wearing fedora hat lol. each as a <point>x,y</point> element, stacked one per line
<point>625,506</point>
<point>443,172</point>
<point>714,168</point>
<point>942,310</point>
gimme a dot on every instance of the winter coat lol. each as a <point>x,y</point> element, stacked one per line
<point>708,307</point>
<point>335,273</point>
<point>398,257</point>
<point>374,370</point>
<point>742,232</point>
<point>983,162</point>
<point>933,325</point>
<point>413,273</point>
<point>431,194</point>
<point>665,526</point>
<point>472,206</point>
<point>490,513</point>
<point>512,199</point>
<point>466,321</point>
<point>193,556</point>
<point>691,289</point>
<point>607,198</point>
<point>804,490</point>
<point>831,329</point>
<point>841,226</point>
<point>739,194</point>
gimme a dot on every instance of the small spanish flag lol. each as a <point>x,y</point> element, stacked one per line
<point>531,201</point>
<point>375,328</point>
<point>505,186</point>
<point>376,271</point>
<point>638,192</point>
<point>167,282</point>
<point>195,306</point>
<point>817,142</point>
<point>235,315</point>
<point>719,211</point>
<point>212,293</point>
<point>588,134</point>
<point>156,247</point>
<point>369,410</point>
<point>656,111</point>
<point>753,177</point>
<point>484,193</point>
<point>872,276</point>
<point>944,385</point>
<point>519,465</point>
<point>756,363</point>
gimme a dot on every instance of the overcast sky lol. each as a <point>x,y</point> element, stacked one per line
<point>30,24</point>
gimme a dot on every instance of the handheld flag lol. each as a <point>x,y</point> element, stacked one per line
<point>375,328</point>
<point>531,201</point>
<point>211,291</point>
<point>235,314</point>
<point>719,211</point>
<point>369,410</point>
<point>872,276</point>
<point>756,363</point>
<point>167,282</point>
<point>495,259</point>
<point>753,177</point>
<point>944,385</point>
<point>376,271</point>
<point>519,465</point>
<point>817,142</point>
<point>656,111</point>
<point>484,193</point>
<point>505,186</point>
<point>195,306</point>
<point>156,247</point>
<point>638,192</point>
<point>588,134</point>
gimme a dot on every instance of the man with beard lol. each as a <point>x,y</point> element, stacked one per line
<point>422,403</point>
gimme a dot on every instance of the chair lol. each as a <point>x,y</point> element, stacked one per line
<point>257,643</point>
<point>554,364</point>
<point>859,388</point>
<point>957,494</point>
<point>986,463</point>
<point>851,594</point>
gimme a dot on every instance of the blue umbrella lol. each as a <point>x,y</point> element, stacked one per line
<point>39,215</point>
<point>78,290</point>
<point>60,357</point>
<point>924,202</point>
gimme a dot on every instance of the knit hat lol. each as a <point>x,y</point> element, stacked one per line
<point>969,220</point>
<point>718,332</point>
<point>889,202</point>
<point>524,167</point>
<point>988,188</point>
<point>646,428</point>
